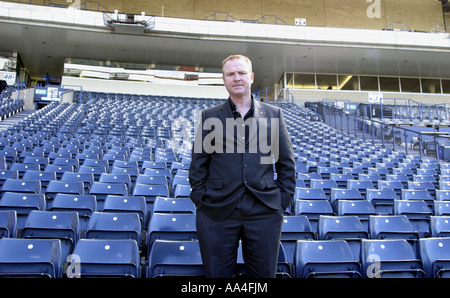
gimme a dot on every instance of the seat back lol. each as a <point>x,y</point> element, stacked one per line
<point>105,258</point>
<point>30,258</point>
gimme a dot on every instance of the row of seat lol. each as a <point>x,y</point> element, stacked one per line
<point>180,258</point>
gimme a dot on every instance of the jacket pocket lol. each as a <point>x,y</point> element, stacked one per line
<point>214,184</point>
<point>270,183</point>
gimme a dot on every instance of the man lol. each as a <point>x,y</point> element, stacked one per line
<point>236,147</point>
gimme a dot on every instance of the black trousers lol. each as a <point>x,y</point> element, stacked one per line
<point>252,222</point>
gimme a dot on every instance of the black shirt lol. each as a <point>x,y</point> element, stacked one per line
<point>236,114</point>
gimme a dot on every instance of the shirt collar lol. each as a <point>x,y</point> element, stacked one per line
<point>233,108</point>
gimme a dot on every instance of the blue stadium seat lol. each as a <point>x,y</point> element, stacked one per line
<point>171,258</point>
<point>393,227</point>
<point>8,224</point>
<point>30,258</point>
<point>44,177</point>
<point>182,191</point>
<point>435,256</point>
<point>313,209</point>
<point>382,200</point>
<point>59,170</point>
<point>323,258</point>
<point>171,226</point>
<point>22,186</point>
<point>389,258</point>
<point>23,204</point>
<point>53,225</point>
<point>8,174</point>
<point>442,195</point>
<point>418,214</point>
<point>295,228</point>
<point>84,205</point>
<point>172,205</point>
<point>105,258</point>
<point>86,178</point>
<point>114,225</point>
<point>127,204</point>
<point>359,208</point>
<point>418,194</point>
<point>21,168</point>
<point>441,208</point>
<point>361,185</point>
<point>103,189</point>
<point>96,171</point>
<point>440,226</point>
<point>116,178</point>
<point>343,194</point>
<point>324,184</point>
<point>309,194</point>
<point>348,228</point>
<point>150,192</point>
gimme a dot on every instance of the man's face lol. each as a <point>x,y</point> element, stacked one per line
<point>237,77</point>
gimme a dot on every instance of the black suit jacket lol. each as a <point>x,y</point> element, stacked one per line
<point>226,161</point>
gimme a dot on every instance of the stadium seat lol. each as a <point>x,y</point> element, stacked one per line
<point>418,214</point>
<point>441,208</point>
<point>343,194</point>
<point>440,226</point>
<point>435,256</point>
<point>22,186</point>
<point>359,208</point>
<point>172,258</point>
<point>55,187</point>
<point>171,226</point>
<point>313,209</point>
<point>8,223</point>
<point>418,194</point>
<point>348,228</point>
<point>127,204</point>
<point>8,174</point>
<point>295,228</point>
<point>172,205</point>
<point>310,194</point>
<point>53,225</point>
<point>84,205</point>
<point>86,178</point>
<point>382,200</point>
<point>105,258</point>
<point>23,204</point>
<point>44,177</point>
<point>103,189</point>
<point>150,192</point>
<point>389,258</point>
<point>323,258</point>
<point>116,178</point>
<point>182,191</point>
<point>114,225</point>
<point>30,258</point>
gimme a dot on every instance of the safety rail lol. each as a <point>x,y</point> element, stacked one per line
<point>425,139</point>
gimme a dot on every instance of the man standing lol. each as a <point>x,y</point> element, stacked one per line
<point>236,147</point>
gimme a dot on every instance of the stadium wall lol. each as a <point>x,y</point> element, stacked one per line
<point>364,14</point>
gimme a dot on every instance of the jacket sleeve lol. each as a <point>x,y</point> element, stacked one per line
<point>285,165</point>
<point>198,170</point>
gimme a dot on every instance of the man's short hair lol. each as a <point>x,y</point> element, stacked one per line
<point>246,59</point>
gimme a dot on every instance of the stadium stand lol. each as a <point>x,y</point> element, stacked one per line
<point>107,177</point>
